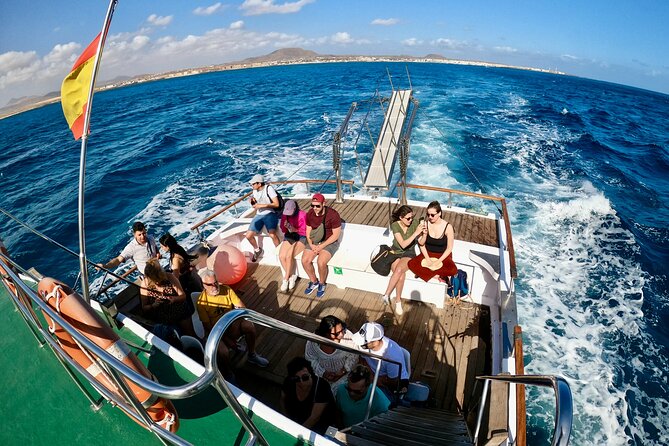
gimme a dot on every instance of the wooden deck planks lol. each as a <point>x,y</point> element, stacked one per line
<point>438,340</point>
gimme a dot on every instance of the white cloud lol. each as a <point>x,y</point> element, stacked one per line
<point>258,7</point>
<point>157,20</point>
<point>451,44</point>
<point>208,10</point>
<point>341,37</point>
<point>385,22</point>
<point>505,49</point>
<point>239,24</point>
<point>569,57</point>
<point>412,42</point>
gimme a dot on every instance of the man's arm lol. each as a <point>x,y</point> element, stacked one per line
<point>113,263</point>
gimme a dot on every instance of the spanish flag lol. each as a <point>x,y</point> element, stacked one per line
<point>74,91</point>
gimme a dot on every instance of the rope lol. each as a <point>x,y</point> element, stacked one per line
<point>483,189</point>
<point>67,250</point>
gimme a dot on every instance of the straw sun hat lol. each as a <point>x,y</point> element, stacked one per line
<point>431,263</point>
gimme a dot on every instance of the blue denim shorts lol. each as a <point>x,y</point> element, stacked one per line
<point>269,220</point>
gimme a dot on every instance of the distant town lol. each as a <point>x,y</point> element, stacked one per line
<point>286,56</point>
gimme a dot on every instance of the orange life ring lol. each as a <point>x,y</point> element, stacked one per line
<point>81,316</point>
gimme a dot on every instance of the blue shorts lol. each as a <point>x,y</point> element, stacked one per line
<point>269,220</point>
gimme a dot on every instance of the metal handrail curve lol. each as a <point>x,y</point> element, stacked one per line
<point>564,406</point>
<point>211,376</point>
<point>253,316</point>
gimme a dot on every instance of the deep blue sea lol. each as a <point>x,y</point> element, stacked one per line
<point>584,166</point>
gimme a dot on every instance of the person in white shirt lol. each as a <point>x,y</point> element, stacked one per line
<point>371,338</point>
<point>265,201</point>
<point>332,364</point>
<point>141,249</point>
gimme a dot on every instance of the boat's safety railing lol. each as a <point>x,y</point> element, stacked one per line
<point>117,370</point>
<point>563,402</point>
<point>504,213</point>
<point>233,205</point>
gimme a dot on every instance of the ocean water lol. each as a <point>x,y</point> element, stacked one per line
<point>583,165</point>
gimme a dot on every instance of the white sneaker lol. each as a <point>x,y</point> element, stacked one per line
<point>284,286</point>
<point>398,308</point>
<point>255,358</point>
<point>385,299</point>
<point>291,281</point>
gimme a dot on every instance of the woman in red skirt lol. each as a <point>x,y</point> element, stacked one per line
<point>436,247</point>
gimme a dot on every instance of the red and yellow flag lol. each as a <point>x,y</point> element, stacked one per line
<point>74,91</point>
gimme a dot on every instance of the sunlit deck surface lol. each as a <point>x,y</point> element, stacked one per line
<point>451,343</point>
<point>467,227</point>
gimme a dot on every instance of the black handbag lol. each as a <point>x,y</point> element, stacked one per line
<point>383,260</point>
<point>291,236</point>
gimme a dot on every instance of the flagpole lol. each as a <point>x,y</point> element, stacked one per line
<point>82,159</point>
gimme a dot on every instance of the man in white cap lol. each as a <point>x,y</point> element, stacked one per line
<point>265,201</point>
<point>371,338</point>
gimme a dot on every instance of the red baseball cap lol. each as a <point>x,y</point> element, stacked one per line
<point>318,197</point>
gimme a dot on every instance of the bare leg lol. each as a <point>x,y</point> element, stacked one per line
<point>400,271</point>
<point>286,259</point>
<point>250,236</point>
<point>323,259</point>
<point>308,265</point>
<point>274,237</point>
<point>246,328</point>
<point>394,278</point>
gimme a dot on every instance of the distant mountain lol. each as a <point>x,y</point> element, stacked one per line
<point>435,56</point>
<point>283,54</point>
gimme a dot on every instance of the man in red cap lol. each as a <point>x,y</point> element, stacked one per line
<point>323,231</point>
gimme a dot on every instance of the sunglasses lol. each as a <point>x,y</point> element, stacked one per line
<point>303,378</point>
<point>409,218</point>
<point>354,391</point>
<point>317,206</point>
<point>431,215</point>
<point>210,284</point>
<point>337,333</point>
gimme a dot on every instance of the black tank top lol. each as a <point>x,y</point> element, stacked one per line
<point>438,245</point>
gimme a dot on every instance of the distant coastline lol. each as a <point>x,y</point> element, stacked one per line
<point>288,56</point>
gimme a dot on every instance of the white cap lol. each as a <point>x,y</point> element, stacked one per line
<point>257,178</point>
<point>370,331</point>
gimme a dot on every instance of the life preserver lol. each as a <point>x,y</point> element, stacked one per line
<point>82,317</point>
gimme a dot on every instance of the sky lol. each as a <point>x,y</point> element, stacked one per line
<point>621,41</point>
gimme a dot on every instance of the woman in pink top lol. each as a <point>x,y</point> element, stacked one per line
<point>293,225</point>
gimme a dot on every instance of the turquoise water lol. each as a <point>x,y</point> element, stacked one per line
<point>583,165</point>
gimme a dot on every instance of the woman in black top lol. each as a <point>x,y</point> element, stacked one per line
<point>306,398</point>
<point>180,262</point>
<point>436,242</point>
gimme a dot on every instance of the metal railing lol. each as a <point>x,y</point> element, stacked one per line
<point>233,205</point>
<point>118,370</point>
<point>563,402</point>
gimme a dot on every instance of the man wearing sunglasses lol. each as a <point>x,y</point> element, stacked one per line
<point>353,397</point>
<point>265,201</point>
<point>217,299</point>
<point>323,231</point>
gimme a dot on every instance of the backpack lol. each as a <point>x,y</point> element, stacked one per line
<point>458,286</point>
<point>282,202</point>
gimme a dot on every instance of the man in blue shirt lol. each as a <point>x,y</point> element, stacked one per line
<point>353,397</point>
